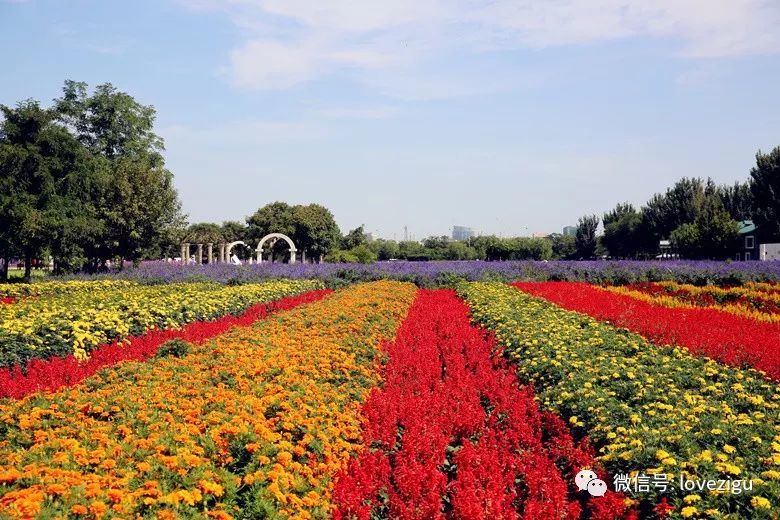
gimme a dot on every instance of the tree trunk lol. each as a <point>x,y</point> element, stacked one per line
<point>27,267</point>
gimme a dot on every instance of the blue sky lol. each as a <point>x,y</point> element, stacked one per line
<point>510,116</point>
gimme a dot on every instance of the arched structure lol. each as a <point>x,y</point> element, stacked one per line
<point>229,248</point>
<point>273,237</point>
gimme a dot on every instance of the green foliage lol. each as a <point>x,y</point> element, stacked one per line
<point>623,232</point>
<point>712,234</point>
<point>385,249</point>
<point>765,189</point>
<point>311,227</point>
<point>360,254</point>
<point>738,200</point>
<point>173,348</point>
<point>585,240</point>
<point>563,246</point>
<point>85,180</point>
<point>354,238</point>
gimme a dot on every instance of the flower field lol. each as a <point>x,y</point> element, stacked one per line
<point>75,317</point>
<point>451,435</point>
<point>382,400</point>
<point>753,301</point>
<point>737,340</point>
<point>651,409</point>
<point>253,424</point>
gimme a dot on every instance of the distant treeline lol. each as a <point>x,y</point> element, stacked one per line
<point>698,217</point>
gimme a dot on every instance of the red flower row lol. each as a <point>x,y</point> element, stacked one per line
<point>728,338</point>
<point>54,373</point>
<point>7,300</point>
<point>450,434</point>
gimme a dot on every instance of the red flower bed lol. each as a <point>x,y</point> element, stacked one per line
<point>7,300</point>
<point>726,337</point>
<point>54,373</point>
<point>450,434</point>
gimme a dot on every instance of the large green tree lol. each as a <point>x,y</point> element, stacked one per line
<point>622,231</point>
<point>712,235</point>
<point>45,201</point>
<point>585,241</point>
<point>738,200</point>
<point>316,231</point>
<point>765,188</point>
<point>311,227</point>
<point>138,205</point>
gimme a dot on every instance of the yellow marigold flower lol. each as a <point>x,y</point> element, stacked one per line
<point>760,503</point>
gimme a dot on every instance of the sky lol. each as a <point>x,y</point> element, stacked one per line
<point>509,116</point>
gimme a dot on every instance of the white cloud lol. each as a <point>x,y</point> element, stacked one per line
<point>289,42</point>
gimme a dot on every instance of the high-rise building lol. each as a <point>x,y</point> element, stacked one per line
<point>570,230</point>
<point>462,233</point>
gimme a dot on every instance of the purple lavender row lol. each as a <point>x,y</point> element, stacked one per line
<point>444,272</point>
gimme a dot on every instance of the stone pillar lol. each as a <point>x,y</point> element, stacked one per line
<point>222,247</point>
<point>259,256</point>
<point>292,255</point>
<point>211,252</point>
<point>186,252</point>
<point>303,256</point>
<point>200,254</point>
<point>183,260</point>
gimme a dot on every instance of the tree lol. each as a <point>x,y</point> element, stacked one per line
<point>712,235</point>
<point>316,231</point>
<point>765,189</point>
<point>686,240</point>
<point>45,186</point>
<point>457,250</point>
<point>679,205</point>
<point>385,249</point>
<point>276,217</point>
<point>622,235</point>
<point>738,200</point>
<point>138,204</point>
<point>616,214</point>
<point>204,233</point>
<point>354,238</point>
<point>483,244</point>
<point>585,239</point>
<point>717,230</point>
<point>563,246</point>
<point>232,230</point>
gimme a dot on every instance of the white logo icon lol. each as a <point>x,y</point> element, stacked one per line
<point>597,488</point>
<point>588,480</point>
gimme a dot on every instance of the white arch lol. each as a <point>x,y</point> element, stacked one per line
<point>275,236</point>
<point>230,246</point>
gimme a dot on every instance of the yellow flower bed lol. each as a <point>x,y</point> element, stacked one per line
<point>648,409</point>
<point>20,290</point>
<point>85,316</point>
<point>253,424</point>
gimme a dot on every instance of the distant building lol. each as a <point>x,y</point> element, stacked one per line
<point>369,236</point>
<point>570,231</point>
<point>462,233</point>
<point>747,241</point>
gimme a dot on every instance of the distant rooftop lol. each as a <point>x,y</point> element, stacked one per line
<point>746,226</point>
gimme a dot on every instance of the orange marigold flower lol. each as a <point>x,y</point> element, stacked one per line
<point>79,509</point>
